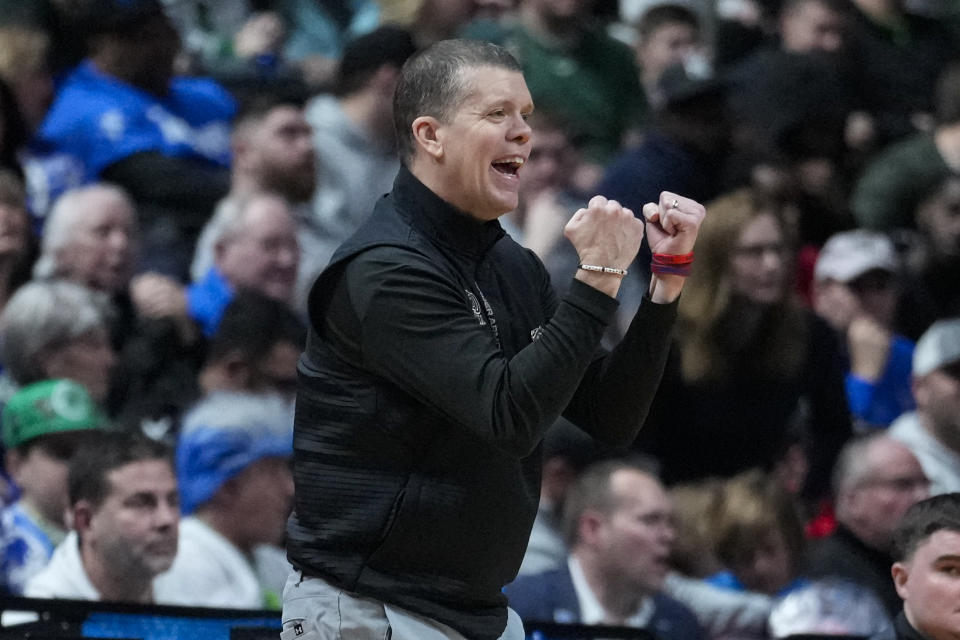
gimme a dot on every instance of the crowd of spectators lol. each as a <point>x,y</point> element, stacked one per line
<point>174,174</point>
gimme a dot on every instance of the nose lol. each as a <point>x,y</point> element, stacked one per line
<point>289,255</point>
<point>668,534</point>
<point>167,515</point>
<point>521,131</point>
<point>771,258</point>
<point>120,239</point>
<point>304,143</point>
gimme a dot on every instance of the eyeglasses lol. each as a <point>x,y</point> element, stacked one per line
<point>952,370</point>
<point>904,484</point>
<point>758,251</point>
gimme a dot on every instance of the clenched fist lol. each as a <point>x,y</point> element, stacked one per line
<point>673,223</point>
<point>605,234</point>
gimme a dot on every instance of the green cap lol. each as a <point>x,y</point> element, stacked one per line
<point>50,406</point>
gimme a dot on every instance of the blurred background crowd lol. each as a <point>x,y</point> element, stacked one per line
<point>174,174</point>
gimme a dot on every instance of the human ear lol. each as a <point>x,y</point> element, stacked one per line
<point>590,526</point>
<point>13,460</point>
<point>901,574</point>
<point>426,133</point>
<point>82,515</point>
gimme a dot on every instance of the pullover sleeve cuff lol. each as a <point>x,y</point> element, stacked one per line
<point>655,317</point>
<point>591,301</point>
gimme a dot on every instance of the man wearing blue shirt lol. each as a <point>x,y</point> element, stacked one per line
<point>125,117</point>
<point>855,290</point>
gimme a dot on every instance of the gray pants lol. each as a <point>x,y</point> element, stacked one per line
<point>315,610</point>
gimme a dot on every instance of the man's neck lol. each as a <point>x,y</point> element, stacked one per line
<point>243,185</point>
<point>115,586</point>
<point>113,64</point>
<point>223,523</point>
<point>619,600</point>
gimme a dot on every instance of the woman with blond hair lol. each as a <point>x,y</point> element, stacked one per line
<point>753,373</point>
<point>758,536</point>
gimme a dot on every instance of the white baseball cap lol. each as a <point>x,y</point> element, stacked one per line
<point>937,347</point>
<point>850,254</point>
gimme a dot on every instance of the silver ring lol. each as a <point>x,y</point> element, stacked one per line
<point>675,204</point>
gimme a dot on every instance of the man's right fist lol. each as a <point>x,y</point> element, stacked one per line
<point>605,233</point>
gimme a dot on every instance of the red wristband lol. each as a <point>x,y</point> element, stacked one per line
<point>673,259</point>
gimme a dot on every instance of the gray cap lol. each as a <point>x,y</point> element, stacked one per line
<point>938,346</point>
<point>848,255</point>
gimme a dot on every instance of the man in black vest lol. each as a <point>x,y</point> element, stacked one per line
<point>437,357</point>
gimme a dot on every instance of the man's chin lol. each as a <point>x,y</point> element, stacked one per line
<point>157,566</point>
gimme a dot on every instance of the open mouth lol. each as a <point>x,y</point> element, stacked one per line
<point>509,166</point>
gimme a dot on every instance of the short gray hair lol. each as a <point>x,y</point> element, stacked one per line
<point>853,463</point>
<point>42,314</point>
<point>227,219</point>
<point>59,226</point>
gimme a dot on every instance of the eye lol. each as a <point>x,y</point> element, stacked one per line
<point>525,116</point>
<point>498,114</point>
<point>951,570</point>
<point>141,501</point>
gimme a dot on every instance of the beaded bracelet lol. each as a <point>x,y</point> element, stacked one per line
<point>599,269</point>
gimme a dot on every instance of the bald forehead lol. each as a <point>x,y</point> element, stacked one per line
<point>883,452</point>
<point>265,209</point>
<point>96,199</point>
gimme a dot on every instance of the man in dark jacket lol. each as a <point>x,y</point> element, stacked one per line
<point>437,357</point>
<point>618,521</point>
<point>927,570</point>
<point>876,479</point>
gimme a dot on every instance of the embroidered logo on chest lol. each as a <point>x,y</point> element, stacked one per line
<point>475,307</point>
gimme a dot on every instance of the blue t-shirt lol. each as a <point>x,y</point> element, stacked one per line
<point>877,404</point>
<point>100,120</point>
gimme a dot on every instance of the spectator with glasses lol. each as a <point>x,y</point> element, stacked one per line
<point>875,481</point>
<point>752,372</point>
